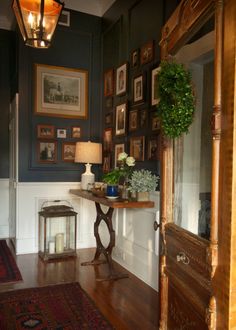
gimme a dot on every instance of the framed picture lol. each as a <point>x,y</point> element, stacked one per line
<point>75,132</point>
<point>154,98</point>
<point>64,18</point>
<point>61,133</point>
<point>133,120</point>
<point>121,79</point>
<point>109,119</point>
<point>147,52</point>
<point>121,119</point>
<point>108,103</point>
<point>138,89</point>
<point>61,92</point>
<point>45,131</point>
<point>143,118</point>
<point>109,82</point>
<point>47,151</point>
<point>135,58</point>
<point>107,139</point>
<point>118,149</point>
<point>153,151</point>
<point>137,145</point>
<point>68,151</point>
<point>106,163</point>
<point>155,122</point>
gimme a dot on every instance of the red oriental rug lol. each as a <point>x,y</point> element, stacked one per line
<point>9,272</point>
<point>61,307</point>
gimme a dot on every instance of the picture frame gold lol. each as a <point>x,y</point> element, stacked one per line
<point>138,89</point>
<point>107,139</point>
<point>154,83</point>
<point>68,151</point>
<point>76,132</point>
<point>121,79</point>
<point>119,147</point>
<point>61,92</point>
<point>133,120</point>
<point>47,151</point>
<point>45,131</point>
<point>137,147</point>
<point>109,82</point>
<point>153,148</point>
<point>147,52</point>
<point>121,114</point>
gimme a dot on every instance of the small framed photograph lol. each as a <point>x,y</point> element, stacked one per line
<point>154,97</point>
<point>137,145</point>
<point>155,122</point>
<point>61,133</point>
<point>106,167</point>
<point>121,79</point>
<point>68,151</point>
<point>109,82</point>
<point>143,118</point>
<point>153,152</point>
<point>118,149</point>
<point>64,18</point>
<point>109,119</point>
<point>108,103</point>
<point>138,89</point>
<point>147,52</point>
<point>75,132</point>
<point>121,119</point>
<point>107,139</point>
<point>135,58</point>
<point>45,131</point>
<point>47,151</point>
<point>133,120</point>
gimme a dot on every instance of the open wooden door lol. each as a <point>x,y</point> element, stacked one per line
<point>190,173</point>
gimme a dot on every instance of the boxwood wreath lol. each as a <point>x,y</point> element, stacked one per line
<point>177,102</point>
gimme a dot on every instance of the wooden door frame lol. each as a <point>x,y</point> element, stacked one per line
<point>182,25</point>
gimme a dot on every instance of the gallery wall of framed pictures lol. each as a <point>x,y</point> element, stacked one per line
<point>56,144</point>
<point>130,102</point>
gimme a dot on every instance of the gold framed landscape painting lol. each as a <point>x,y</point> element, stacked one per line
<point>61,92</point>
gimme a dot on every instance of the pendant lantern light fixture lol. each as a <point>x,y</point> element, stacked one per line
<point>37,20</point>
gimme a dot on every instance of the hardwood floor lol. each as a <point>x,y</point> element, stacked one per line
<point>127,303</point>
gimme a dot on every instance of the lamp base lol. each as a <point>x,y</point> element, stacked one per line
<point>87,177</point>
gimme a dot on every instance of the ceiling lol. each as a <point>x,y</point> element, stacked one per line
<point>93,7</point>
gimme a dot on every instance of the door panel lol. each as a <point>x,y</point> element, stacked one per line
<point>182,315</point>
<point>189,246</point>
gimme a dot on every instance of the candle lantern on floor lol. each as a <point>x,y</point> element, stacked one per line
<point>57,231</point>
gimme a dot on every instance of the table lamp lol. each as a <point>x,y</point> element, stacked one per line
<point>89,153</point>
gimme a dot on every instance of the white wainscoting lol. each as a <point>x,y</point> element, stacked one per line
<point>4,208</point>
<point>31,196</point>
<point>137,244</point>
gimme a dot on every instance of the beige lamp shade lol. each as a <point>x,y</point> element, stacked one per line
<point>89,153</point>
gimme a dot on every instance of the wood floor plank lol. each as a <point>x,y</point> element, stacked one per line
<point>127,303</point>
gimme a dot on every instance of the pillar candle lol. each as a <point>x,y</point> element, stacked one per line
<point>59,243</point>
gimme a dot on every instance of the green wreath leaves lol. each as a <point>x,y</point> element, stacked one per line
<point>177,102</point>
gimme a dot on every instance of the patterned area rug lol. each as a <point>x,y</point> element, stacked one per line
<point>61,307</point>
<point>9,271</point>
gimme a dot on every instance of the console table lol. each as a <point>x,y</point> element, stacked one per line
<point>107,217</point>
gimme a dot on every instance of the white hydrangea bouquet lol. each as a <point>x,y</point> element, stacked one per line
<point>122,173</point>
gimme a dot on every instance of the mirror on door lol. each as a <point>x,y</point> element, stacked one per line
<point>193,151</point>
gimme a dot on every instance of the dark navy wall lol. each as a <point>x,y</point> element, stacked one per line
<point>6,68</point>
<point>127,26</point>
<point>76,47</point>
